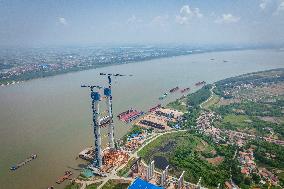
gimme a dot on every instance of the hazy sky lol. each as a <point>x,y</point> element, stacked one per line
<point>65,22</point>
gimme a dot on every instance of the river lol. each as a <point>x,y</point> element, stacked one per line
<point>52,117</point>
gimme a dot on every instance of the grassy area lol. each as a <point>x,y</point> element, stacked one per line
<point>94,186</point>
<point>248,122</point>
<point>212,102</point>
<point>195,99</point>
<point>240,121</point>
<point>165,145</point>
<point>193,102</point>
<point>122,172</point>
<point>185,151</point>
<point>179,104</point>
<point>112,184</point>
<point>72,186</point>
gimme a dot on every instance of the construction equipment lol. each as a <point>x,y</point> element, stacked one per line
<point>108,94</point>
<point>95,96</point>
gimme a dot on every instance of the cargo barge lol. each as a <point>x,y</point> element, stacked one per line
<point>155,108</point>
<point>66,176</point>
<point>185,90</point>
<point>174,89</point>
<point>200,83</point>
<point>15,167</point>
<point>129,115</point>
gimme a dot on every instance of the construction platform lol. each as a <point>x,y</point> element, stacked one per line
<point>111,160</point>
<point>159,118</point>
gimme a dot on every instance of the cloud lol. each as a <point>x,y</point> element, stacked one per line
<point>263,4</point>
<point>133,20</point>
<point>275,6</point>
<point>280,7</point>
<point>227,19</point>
<point>186,13</point>
<point>62,21</point>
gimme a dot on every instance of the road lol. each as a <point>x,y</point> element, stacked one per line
<point>113,174</point>
<point>211,96</point>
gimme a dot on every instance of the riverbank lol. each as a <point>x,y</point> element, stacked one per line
<point>208,150</point>
<point>146,136</point>
<point>42,73</point>
<point>45,116</point>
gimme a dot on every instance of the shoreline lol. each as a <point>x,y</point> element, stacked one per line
<point>134,153</point>
<point>53,74</point>
<point>90,75</point>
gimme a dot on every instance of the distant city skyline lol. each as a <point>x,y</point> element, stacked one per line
<point>69,22</point>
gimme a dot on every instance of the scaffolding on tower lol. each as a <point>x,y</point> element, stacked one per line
<point>95,97</point>
<point>108,94</point>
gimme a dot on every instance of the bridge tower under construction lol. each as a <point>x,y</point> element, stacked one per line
<point>96,98</point>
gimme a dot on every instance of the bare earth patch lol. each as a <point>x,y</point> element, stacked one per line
<point>224,102</point>
<point>201,146</point>
<point>216,160</point>
<point>271,119</point>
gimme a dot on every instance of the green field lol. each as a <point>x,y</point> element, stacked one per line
<point>179,104</point>
<point>234,122</point>
<point>185,151</point>
<point>123,172</point>
<point>111,184</point>
<point>247,123</point>
<point>212,102</point>
<point>72,186</point>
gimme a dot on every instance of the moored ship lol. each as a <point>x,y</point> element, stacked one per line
<point>200,83</point>
<point>129,115</point>
<point>174,89</point>
<point>185,90</point>
<point>155,108</point>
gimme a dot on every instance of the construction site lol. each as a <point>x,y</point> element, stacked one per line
<point>159,118</point>
<point>103,161</point>
<point>141,170</point>
<point>107,162</point>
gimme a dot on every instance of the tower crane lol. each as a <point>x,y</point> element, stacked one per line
<point>107,93</point>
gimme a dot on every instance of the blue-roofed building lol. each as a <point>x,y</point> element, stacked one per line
<point>142,184</point>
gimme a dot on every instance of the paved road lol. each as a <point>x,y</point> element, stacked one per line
<point>113,174</point>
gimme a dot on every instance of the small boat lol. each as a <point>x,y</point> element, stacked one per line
<point>14,168</point>
<point>200,83</point>
<point>164,96</point>
<point>185,90</point>
<point>174,89</point>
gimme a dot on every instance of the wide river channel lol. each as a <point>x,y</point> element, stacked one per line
<point>52,116</point>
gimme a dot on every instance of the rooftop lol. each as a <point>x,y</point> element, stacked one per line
<point>141,184</point>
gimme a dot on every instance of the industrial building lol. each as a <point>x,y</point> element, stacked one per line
<point>142,184</point>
